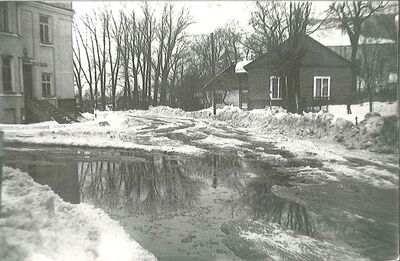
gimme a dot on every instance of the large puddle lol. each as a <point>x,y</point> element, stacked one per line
<point>174,205</point>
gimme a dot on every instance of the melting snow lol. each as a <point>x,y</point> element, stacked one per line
<point>36,224</point>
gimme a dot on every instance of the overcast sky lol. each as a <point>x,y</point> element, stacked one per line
<point>207,14</point>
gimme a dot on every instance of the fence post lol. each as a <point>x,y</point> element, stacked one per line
<point>1,163</point>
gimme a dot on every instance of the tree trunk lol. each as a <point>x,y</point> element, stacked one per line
<point>370,98</point>
<point>354,49</point>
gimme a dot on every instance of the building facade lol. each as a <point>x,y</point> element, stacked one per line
<point>36,58</point>
<point>324,78</point>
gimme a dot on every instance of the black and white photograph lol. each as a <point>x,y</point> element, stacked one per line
<point>199,130</point>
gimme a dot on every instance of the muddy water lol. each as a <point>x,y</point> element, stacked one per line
<point>175,205</point>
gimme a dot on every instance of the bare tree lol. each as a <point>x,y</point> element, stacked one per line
<point>78,70</point>
<point>113,30</point>
<point>126,31</point>
<point>117,52</point>
<point>86,71</point>
<point>281,28</point>
<point>269,26</point>
<point>94,26</point>
<point>161,36</point>
<point>371,67</point>
<point>351,16</point>
<point>175,33</point>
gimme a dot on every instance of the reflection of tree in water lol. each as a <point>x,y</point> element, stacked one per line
<point>230,171</point>
<point>225,170</point>
<point>267,207</point>
<point>147,186</point>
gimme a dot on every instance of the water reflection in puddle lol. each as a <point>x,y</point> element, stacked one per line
<point>175,205</point>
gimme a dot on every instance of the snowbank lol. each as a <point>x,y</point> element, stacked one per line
<point>36,224</point>
<point>39,125</point>
<point>257,241</point>
<point>360,110</point>
<point>156,129</point>
<point>119,129</point>
<point>375,132</point>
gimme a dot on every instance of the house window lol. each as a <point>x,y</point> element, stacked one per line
<point>3,17</point>
<point>322,86</point>
<point>44,29</point>
<point>6,73</point>
<point>46,84</point>
<point>275,88</point>
<point>244,96</point>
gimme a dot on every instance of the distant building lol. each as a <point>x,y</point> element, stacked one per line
<point>230,85</point>
<point>324,78</point>
<point>36,76</point>
<point>338,41</point>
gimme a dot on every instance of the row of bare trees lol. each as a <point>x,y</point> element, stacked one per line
<point>145,56</point>
<point>132,52</point>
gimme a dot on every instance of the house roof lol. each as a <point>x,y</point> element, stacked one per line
<point>63,5</point>
<point>238,69</point>
<point>208,84</point>
<point>309,41</point>
<point>337,37</point>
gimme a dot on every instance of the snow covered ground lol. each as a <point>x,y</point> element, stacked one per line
<point>359,110</point>
<point>377,132</point>
<point>163,129</point>
<point>109,129</point>
<point>138,129</point>
<point>37,225</point>
<point>254,240</point>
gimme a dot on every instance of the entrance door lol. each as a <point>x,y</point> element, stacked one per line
<point>27,71</point>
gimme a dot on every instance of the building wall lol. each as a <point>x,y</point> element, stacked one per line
<point>12,103</point>
<point>340,89</point>
<point>23,41</point>
<point>259,80</point>
<point>317,60</point>
<point>54,58</point>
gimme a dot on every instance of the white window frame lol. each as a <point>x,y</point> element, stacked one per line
<point>279,96</point>
<point>315,86</point>
<point>46,85</point>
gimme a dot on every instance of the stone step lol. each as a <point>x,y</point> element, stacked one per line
<point>54,113</point>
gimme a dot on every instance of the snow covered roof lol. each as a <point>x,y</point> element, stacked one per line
<point>337,37</point>
<point>239,68</point>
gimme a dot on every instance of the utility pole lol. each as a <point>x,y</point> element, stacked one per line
<point>213,74</point>
<point>240,90</point>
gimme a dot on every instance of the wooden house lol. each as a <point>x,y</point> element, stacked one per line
<point>324,77</point>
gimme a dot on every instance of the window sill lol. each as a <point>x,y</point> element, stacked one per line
<point>13,94</point>
<point>47,45</point>
<point>10,34</point>
<point>276,99</point>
